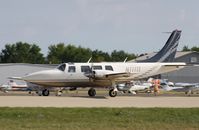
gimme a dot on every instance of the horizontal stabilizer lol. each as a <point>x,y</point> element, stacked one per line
<point>168,67</point>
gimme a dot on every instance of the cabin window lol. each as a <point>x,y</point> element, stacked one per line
<point>61,67</point>
<point>85,69</point>
<point>97,67</point>
<point>71,69</point>
<point>108,67</point>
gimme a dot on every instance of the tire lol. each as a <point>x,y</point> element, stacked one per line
<point>91,92</point>
<point>45,92</point>
<point>112,93</point>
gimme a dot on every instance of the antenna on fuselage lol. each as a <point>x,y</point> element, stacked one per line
<point>167,32</point>
<point>125,59</point>
<point>89,60</point>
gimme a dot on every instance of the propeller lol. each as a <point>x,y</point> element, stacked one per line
<point>91,73</point>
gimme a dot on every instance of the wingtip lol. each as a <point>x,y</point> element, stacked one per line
<point>16,78</point>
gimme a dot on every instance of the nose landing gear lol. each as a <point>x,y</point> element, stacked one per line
<point>91,92</point>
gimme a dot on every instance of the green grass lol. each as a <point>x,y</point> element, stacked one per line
<point>99,118</point>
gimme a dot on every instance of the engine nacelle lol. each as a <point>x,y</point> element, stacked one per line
<point>101,73</point>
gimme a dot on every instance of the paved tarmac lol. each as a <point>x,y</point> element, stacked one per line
<point>99,101</point>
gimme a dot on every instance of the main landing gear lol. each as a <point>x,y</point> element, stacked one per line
<point>113,90</point>
<point>112,93</point>
<point>45,92</point>
<point>91,92</point>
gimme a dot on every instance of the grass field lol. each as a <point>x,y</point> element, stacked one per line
<point>99,118</point>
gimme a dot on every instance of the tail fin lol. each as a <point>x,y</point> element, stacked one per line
<point>167,53</point>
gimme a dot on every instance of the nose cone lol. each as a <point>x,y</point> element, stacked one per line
<point>46,75</point>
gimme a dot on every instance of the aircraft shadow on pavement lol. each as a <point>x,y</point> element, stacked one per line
<point>96,97</point>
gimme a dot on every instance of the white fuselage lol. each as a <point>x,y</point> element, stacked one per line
<point>73,75</point>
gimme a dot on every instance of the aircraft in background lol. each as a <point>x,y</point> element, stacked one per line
<point>188,88</point>
<point>133,87</point>
<point>106,74</point>
<point>13,86</point>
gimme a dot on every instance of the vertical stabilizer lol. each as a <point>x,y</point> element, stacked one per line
<point>167,53</point>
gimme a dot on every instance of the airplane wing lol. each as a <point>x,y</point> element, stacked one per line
<point>187,85</point>
<point>168,67</point>
<point>100,74</point>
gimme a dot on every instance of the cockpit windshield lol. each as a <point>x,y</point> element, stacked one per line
<point>61,67</point>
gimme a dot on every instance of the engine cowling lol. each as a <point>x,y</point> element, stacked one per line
<point>98,74</point>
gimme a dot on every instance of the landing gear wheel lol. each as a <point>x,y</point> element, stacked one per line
<point>91,92</point>
<point>112,93</point>
<point>45,92</point>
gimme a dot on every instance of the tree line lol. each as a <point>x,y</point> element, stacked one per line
<point>194,48</point>
<point>22,52</point>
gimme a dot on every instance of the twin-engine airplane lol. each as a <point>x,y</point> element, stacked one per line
<point>106,74</point>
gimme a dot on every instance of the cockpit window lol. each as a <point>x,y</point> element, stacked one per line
<point>108,67</point>
<point>71,69</point>
<point>97,67</point>
<point>61,67</point>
